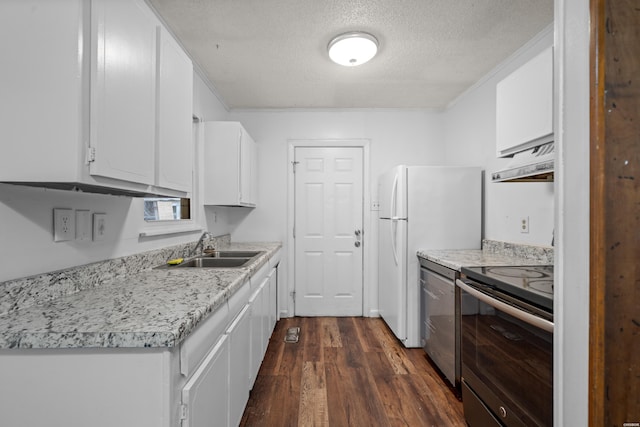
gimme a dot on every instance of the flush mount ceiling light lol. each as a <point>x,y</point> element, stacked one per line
<point>354,48</point>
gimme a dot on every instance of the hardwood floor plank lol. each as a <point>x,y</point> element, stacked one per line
<point>367,338</point>
<point>352,351</point>
<point>440,394</point>
<point>259,406</point>
<point>352,399</point>
<point>379,364</point>
<point>312,340</point>
<point>273,356</point>
<point>427,404</point>
<point>399,409</point>
<point>313,395</point>
<point>391,347</point>
<point>330,332</point>
<point>348,372</point>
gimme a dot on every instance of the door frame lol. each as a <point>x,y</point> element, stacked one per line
<point>289,310</point>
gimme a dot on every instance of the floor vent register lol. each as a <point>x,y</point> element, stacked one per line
<point>293,335</point>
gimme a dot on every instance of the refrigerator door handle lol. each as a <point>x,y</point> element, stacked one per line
<point>394,190</point>
<point>393,230</point>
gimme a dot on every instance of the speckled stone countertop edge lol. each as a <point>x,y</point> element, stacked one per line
<point>494,253</point>
<point>150,308</point>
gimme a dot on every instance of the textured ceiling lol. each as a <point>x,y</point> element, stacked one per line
<point>273,53</point>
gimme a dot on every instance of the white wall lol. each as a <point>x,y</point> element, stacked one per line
<point>470,132</point>
<point>26,226</point>
<point>396,137</point>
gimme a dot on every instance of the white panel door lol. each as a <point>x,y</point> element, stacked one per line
<point>328,226</point>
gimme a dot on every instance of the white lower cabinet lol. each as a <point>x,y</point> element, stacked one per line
<point>257,331</point>
<point>202,383</point>
<point>205,397</point>
<point>272,310</point>
<point>239,334</point>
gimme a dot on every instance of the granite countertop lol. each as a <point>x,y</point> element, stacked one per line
<point>492,254</point>
<point>149,308</point>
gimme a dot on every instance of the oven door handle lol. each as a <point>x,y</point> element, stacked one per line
<point>506,308</point>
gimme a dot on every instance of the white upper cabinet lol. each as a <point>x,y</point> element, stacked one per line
<point>123,90</point>
<point>87,98</point>
<point>175,105</point>
<point>230,165</point>
<point>524,106</point>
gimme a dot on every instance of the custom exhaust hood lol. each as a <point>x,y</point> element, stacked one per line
<point>532,165</point>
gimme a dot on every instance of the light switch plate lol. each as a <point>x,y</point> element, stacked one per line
<point>83,225</point>
<point>64,227</point>
<point>99,226</point>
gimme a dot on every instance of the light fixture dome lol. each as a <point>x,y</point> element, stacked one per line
<point>353,48</point>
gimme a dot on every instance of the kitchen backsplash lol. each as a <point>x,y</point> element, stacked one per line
<point>540,253</point>
<point>38,289</point>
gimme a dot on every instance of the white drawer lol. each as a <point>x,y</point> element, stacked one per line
<point>238,300</point>
<point>202,339</point>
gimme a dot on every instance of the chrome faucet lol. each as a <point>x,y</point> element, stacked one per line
<point>205,235</point>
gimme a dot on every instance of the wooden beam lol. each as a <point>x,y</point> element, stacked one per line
<point>614,359</point>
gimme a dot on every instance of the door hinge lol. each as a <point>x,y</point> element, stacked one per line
<point>294,163</point>
<point>91,154</point>
<point>294,231</point>
<point>184,412</point>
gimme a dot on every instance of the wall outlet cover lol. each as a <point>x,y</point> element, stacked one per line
<point>64,227</point>
<point>99,226</point>
<point>83,225</point>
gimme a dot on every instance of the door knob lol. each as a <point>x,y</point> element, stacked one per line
<point>357,244</point>
<point>358,232</point>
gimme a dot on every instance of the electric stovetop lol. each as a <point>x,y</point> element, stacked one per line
<point>533,284</point>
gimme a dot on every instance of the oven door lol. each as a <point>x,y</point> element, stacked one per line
<point>507,361</point>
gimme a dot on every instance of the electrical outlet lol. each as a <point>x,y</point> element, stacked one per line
<point>375,206</point>
<point>99,226</point>
<point>524,224</point>
<point>64,227</point>
<point>83,225</point>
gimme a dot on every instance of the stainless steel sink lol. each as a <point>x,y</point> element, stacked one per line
<point>234,254</point>
<point>209,262</point>
<point>218,259</point>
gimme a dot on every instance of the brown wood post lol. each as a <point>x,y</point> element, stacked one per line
<point>614,359</point>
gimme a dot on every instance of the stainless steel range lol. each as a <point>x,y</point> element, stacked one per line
<point>506,321</point>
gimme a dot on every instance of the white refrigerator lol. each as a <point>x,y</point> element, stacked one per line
<point>421,207</point>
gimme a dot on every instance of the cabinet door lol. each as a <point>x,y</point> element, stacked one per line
<point>257,331</point>
<point>222,163</point>
<point>205,396</point>
<point>239,351</point>
<point>41,75</point>
<point>273,302</point>
<point>248,172</point>
<point>175,112</point>
<point>123,90</point>
<point>230,165</point>
<point>524,106</point>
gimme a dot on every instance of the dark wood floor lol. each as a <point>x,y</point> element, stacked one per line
<point>347,372</point>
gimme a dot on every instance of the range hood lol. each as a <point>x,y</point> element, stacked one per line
<point>532,165</point>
